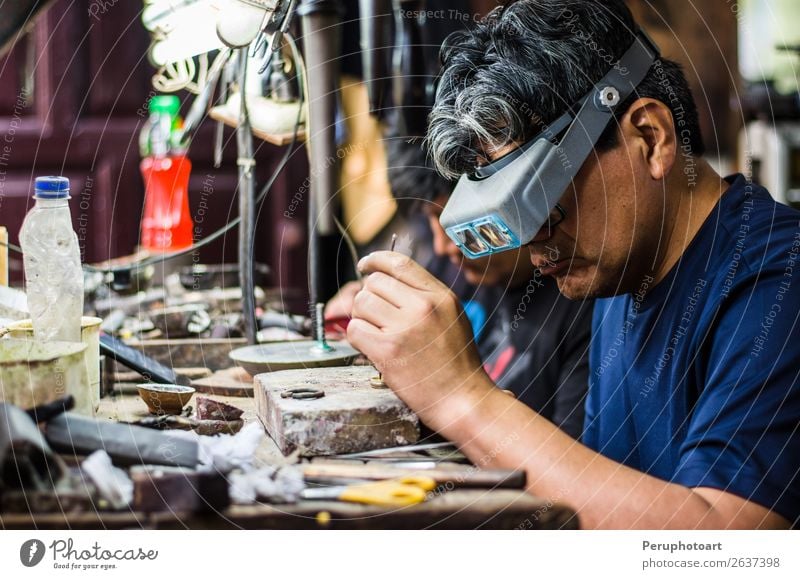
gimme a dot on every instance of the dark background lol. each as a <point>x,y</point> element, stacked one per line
<point>73,96</point>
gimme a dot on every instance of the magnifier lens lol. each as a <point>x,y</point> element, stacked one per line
<point>493,235</point>
<point>471,241</point>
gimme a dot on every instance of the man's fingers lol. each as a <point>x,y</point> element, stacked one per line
<point>400,267</point>
<point>362,335</point>
<point>375,310</point>
<point>393,291</point>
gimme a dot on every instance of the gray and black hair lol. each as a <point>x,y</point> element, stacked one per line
<point>525,64</point>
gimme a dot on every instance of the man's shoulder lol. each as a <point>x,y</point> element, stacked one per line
<point>757,227</point>
<point>749,237</point>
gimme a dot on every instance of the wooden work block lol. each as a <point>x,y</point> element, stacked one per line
<point>228,382</point>
<point>351,417</point>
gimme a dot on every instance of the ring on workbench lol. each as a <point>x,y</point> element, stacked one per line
<point>303,393</point>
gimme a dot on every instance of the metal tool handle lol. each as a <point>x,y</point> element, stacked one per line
<point>391,493</point>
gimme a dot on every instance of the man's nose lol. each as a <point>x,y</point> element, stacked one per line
<point>544,233</point>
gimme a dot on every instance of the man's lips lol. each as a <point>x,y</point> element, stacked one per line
<point>553,268</point>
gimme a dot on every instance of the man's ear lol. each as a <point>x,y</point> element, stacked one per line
<point>647,127</point>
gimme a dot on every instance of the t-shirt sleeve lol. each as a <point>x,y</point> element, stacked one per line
<point>743,436</point>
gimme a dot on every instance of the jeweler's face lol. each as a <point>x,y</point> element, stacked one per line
<point>606,243</point>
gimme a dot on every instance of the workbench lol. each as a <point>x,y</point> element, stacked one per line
<point>453,509</point>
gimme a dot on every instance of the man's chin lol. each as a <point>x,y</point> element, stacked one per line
<point>579,284</point>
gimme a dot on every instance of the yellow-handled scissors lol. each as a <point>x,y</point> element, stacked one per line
<point>398,492</point>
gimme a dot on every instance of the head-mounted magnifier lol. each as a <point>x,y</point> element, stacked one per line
<point>504,204</point>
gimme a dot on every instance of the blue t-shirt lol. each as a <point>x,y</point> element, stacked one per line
<point>695,380</point>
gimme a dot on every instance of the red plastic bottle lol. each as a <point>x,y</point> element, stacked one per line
<point>166,222</point>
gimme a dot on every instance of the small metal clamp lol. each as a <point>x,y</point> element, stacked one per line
<point>303,393</point>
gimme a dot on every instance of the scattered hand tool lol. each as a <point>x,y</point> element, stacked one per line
<point>385,452</point>
<point>203,427</point>
<point>181,321</point>
<point>49,411</point>
<point>26,461</point>
<point>468,477</point>
<point>125,443</point>
<point>400,492</point>
<point>135,360</point>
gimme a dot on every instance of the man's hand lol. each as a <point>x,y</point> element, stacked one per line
<point>412,328</point>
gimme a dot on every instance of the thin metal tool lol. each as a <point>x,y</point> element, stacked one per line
<point>418,463</point>
<point>377,381</point>
<point>450,475</point>
<point>400,492</point>
<point>396,449</point>
<point>247,214</point>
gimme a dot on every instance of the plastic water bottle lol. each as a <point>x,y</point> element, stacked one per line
<point>52,259</point>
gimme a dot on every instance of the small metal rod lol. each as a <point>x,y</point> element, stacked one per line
<point>246,186</point>
<point>395,449</point>
<point>322,346</point>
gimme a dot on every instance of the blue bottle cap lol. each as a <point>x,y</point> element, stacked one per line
<point>52,188</point>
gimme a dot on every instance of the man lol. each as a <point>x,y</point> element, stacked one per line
<point>533,341</point>
<point>694,403</point>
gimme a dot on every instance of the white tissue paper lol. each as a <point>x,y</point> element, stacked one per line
<point>113,484</point>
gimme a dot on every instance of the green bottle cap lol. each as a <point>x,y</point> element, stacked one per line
<point>166,103</point>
